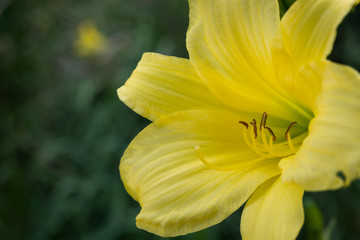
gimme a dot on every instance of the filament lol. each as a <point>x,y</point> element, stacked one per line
<point>254,145</point>
<point>288,137</point>
<point>288,129</point>
<point>263,137</point>
<point>263,147</point>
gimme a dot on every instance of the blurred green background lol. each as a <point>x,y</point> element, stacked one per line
<point>63,129</point>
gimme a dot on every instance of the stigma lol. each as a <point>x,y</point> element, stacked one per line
<point>261,139</point>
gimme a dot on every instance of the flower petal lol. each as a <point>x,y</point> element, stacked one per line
<point>229,45</point>
<point>177,192</point>
<point>305,84</point>
<point>162,85</point>
<point>330,155</point>
<point>273,212</point>
<point>308,28</point>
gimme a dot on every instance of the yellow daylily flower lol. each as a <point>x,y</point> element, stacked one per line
<point>256,114</point>
<point>89,40</point>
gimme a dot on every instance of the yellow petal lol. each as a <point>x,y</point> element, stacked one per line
<point>177,192</point>
<point>330,156</point>
<point>305,84</point>
<point>309,28</point>
<point>229,45</point>
<point>162,85</point>
<point>273,212</point>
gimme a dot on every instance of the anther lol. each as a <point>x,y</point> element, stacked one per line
<point>272,133</point>
<point>244,123</point>
<point>255,129</point>
<point>288,130</point>
<point>264,148</point>
<point>263,121</point>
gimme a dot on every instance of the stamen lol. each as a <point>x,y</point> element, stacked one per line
<point>255,128</point>
<point>263,121</point>
<point>210,165</point>
<point>272,150</point>
<point>244,123</point>
<point>272,133</point>
<point>271,146</point>
<point>263,137</point>
<point>288,137</point>
<point>256,149</point>
<point>247,141</point>
<point>264,148</point>
<point>288,130</point>
<point>251,143</point>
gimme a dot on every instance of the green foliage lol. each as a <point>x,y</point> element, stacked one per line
<point>285,5</point>
<point>314,222</point>
<point>63,129</point>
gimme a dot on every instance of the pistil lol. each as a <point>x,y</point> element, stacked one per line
<point>213,166</point>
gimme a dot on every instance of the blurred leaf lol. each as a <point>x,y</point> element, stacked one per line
<point>285,5</point>
<point>314,222</point>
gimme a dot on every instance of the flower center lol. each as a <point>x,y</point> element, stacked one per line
<point>261,142</point>
<point>264,145</point>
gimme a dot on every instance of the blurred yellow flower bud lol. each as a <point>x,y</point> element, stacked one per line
<point>89,40</point>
